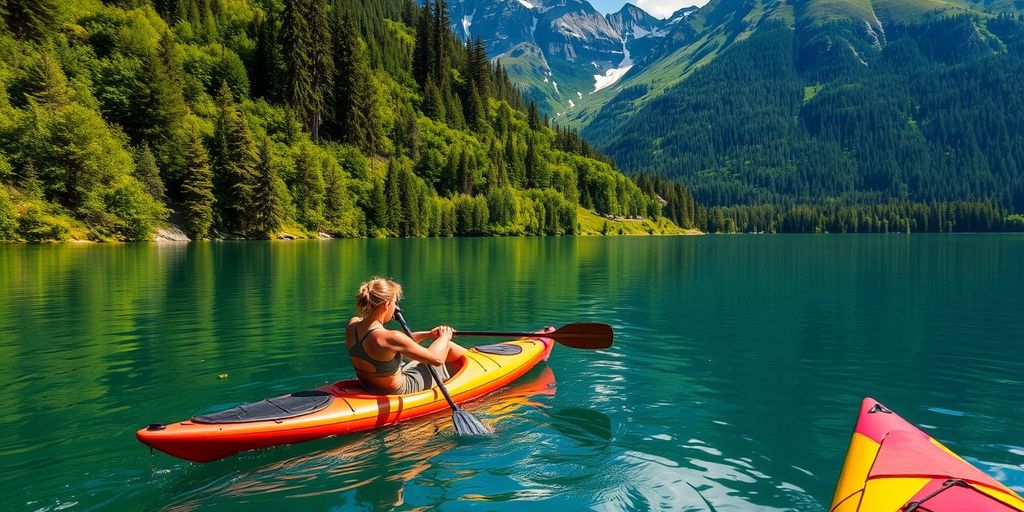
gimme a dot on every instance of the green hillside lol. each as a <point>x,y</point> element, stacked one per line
<point>269,118</point>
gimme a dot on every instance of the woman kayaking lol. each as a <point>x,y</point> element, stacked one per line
<point>376,352</point>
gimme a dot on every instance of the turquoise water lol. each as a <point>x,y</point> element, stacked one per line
<point>737,371</point>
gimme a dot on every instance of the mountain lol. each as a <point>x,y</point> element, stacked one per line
<point>561,52</point>
<point>810,101</point>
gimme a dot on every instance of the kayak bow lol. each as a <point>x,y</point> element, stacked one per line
<point>892,465</point>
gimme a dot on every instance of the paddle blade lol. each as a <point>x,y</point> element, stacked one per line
<point>585,335</point>
<point>467,425</point>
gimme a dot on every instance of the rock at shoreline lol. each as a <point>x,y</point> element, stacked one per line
<point>171,233</point>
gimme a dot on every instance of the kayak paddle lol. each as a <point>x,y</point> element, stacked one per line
<point>465,423</point>
<point>579,335</point>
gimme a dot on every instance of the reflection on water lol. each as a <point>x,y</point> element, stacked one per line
<point>733,384</point>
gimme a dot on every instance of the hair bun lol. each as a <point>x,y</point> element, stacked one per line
<point>375,292</point>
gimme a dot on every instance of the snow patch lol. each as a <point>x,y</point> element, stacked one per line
<point>640,32</point>
<point>580,94</point>
<point>526,4</point>
<point>566,30</point>
<point>571,104</point>
<point>610,77</point>
<point>556,86</point>
<point>613,75</point>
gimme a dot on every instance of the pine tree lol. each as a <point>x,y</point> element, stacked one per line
<point>8,217</point>
<point>266,75</point>
<point>433,102</point>
<point>308,188</point>
<point>392,197</point>
<point>161,110</point>
<point>442,45</point>
<point>323,71</point>
<point>48,85</point>
<point>354,87</point>
<point>268,200</point>
<point>147,172</point>
<point>378,215</point>
<point>531,163</point>
<point>423,51</point>
<point>533,117</point>
<point>33,20</point>
<point>296,38</point>
<point>235,160</point>
<point>337,204</point>
<point>196,188</point>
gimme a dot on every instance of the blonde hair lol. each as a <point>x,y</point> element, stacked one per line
<point>375,292</point>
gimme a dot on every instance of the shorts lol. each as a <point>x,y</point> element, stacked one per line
<point>416,377</point>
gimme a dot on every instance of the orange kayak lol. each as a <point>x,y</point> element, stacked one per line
<point>892,465</point>
<point>340,408</point>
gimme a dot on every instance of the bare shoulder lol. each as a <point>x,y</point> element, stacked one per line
<point>390,337</point>
<point>354,320</point>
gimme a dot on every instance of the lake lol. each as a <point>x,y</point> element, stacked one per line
<point>736,375</point>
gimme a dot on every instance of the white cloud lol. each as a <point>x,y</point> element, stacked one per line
<point>664,8</point>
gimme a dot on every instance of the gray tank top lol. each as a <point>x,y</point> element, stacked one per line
<point>380,367</point>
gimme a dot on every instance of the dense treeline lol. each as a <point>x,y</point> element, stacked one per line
<point>932,115</point>
<point>903,217</point>
<point>251,118</point>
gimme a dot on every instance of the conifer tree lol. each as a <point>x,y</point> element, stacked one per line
<point>433,102</point>
<point>33,20</point>
<point>8,217</point>
<point>423,51</point>
<point>268,198</point>
<point>266,76</point>
<point>531,163</point>
<point>323,71</point>
<point>378,215</point>
<point>308,188</point>
<point>161,110</point>
<point>337,204</point>
<point>354,87</point>
<point>147,172</point>
<point>392,197</point>
<point>301,87</point>
<point>235,160</point>
<point>533,117</point>
<point>47,83</point>
<point>196,188</point>
<point>442,46</point>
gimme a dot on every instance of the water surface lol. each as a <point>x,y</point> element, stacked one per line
<point>737,372</point>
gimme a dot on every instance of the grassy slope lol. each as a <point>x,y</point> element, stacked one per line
<point>593,224</point>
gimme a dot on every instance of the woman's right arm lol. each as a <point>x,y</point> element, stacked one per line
<point>435,354</point>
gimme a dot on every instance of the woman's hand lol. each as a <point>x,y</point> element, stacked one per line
<point>439,331</point>
<point>442,331</point>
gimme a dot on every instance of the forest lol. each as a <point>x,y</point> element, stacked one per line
<point>265,118</point>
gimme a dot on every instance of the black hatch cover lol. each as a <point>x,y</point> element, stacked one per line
<point>277,408</point>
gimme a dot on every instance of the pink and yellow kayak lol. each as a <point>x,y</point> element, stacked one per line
<point>892,466</point>
<point>340,408</point>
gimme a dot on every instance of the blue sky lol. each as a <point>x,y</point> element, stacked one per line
<point>657,8</point>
